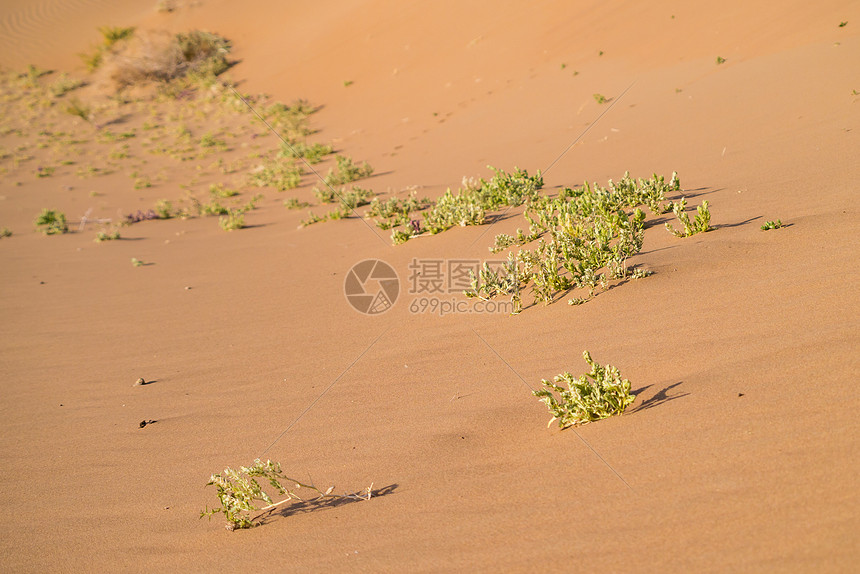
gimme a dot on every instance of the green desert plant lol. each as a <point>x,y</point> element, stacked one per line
<point>52,222</point>
<point>393,211</point>
<point>164,209</point>
<point>113,34</point>
<point>107,235</point>
<point>110,36</point>
<point>213,207</point>
<point>239,493</point>
<point>720,60</point>
<point>209,140</point>
<point>325,194</point>
<point>584,239</point>
<point>235,219</point>
<point>63,85</point>
<point>137,262</point>
<point>289,121</point>
<point>312,218</point>
<point>600,98</point>
<point>768,225</point>
<point>218,190</point>
<point>701,224</point>
<point>282,175</point>
<point>5,232</point>
<point>347,171</point>
<point>195,56</point>
<point>490,283</point>
<point>294,203</point>
<point>32,75</point>
<point>596,395</point>
<point>399,236</point>
<point>356,197</point>
<point>311,153</point>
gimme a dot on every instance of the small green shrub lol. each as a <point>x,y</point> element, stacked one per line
<point>209,140</point>
<point>5,232</point>
<point>600,98</point>
<point>164,209</point>
<point>394,212</point>
<point>32,75</point>
<point>175,60</point>
<point>347,171</point>
<point>311,153</point>
<point>218,190</point>
<point>239,492</point>
<point>312,219</point>
<point>107,235</point>
<point>596,395</point>
<point>399,236</point>
<point>235,219</point>
<point>720,60</point>
<point>110,36</point>
<point>325,194</point>
<point>700,225</point>
<point>356,197</point>
<point>294,203</point>
<point>63,85</point>
<point>289,121</point>
<point>212,208</point>
<point>52,222</point>
<point>768,225</point>
<point>281,175</point>
<point>113,34</point>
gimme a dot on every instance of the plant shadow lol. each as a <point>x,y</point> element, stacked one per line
<point>738,224</point>
<point>659,398</point>
<point>305,506</point>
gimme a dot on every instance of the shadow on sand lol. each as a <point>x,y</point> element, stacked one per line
<point>312,505</point>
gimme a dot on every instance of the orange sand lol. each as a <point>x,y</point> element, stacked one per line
<point>694,478</point>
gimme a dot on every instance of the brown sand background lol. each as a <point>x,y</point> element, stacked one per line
<point>693,478</point>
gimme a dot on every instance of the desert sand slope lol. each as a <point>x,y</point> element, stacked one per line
<point>740,452</point>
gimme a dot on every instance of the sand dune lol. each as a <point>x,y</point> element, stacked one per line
<point>740,451</point>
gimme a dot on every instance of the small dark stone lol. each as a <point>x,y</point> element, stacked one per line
<point>740,394</point>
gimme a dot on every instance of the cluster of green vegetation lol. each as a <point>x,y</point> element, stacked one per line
<point>347,171</point>
<point>277,173</point>
<point>51,222</point>
<point>769,225</point>
<point>239,493</point>
<point>468,206</point>
<point>294,203</point>
<point>107,235</point>
<point>291,122</point>
<point>596,395</point>
<point>181,59</point>
<point>584,238</point>
<point>110,36</point>
<point>394,212</point>
<point>312,153</point>
<point>700,224</point>
<point>347,200</point>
